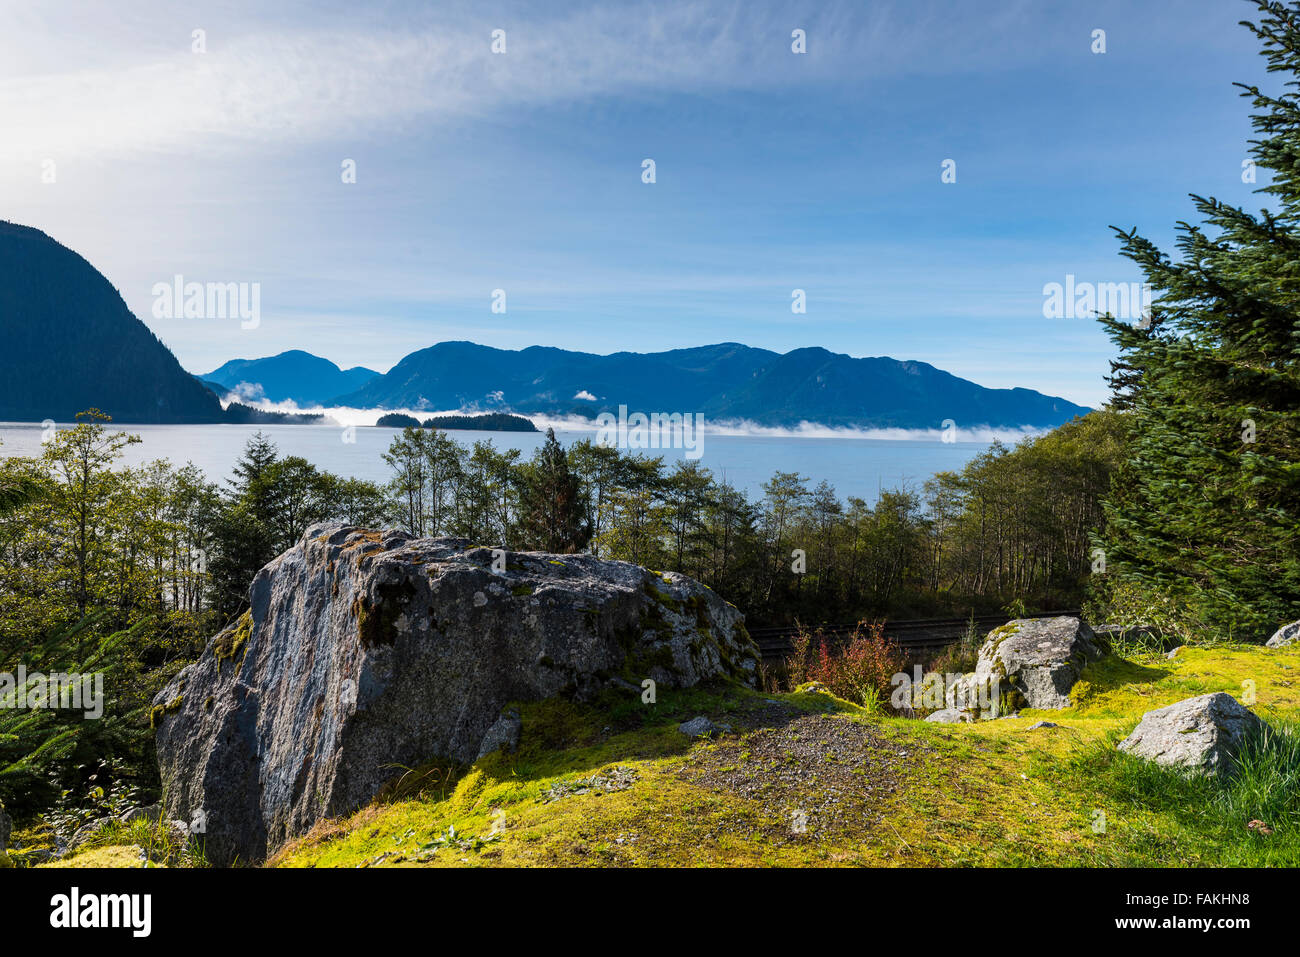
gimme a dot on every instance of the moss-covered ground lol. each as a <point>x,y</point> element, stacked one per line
<point>809,780</point>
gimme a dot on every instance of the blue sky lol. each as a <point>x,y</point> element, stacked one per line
<point>522,171</point>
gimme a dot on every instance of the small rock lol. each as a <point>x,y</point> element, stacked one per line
<point>152,814</point>
<point>503,734</point>
<point>1286,635</point>
<point>1202,733</point>
<point>1174,652</point>
<point>813,687</point>
<point>1042,724</point>
<point>950,716</point>
<point>84,833</point>
<point>697,727</point>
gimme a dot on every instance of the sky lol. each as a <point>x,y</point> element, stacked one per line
<point>522,170</point>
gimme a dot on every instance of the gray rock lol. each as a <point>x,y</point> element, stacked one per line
<point>1286,635</point>
<point>697,727</point>
<point>950,716</point>
<point>1202,733</point>
<point>368,650</point>
<point>1027,663</point>
<point>1173,653</point>
<point>6,828</point>
<point>152,814</point>
<point>503,734</point>
<point>86,833</point>
<point>1042,724</point>
<point>1107,632</point>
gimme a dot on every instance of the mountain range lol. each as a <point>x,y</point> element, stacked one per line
<point>725,382</point>
<point>293,376</point>
<point>71,343</point>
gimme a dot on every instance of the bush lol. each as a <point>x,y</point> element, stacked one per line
<point>858,669</point>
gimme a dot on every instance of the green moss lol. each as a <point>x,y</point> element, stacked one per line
<point>520,591</point>
<point>663,599</point>
<point>160,711</point>
<point>377,617</point>
<point>991,793</point>
<point>232,643</point>
<point>657,656</point>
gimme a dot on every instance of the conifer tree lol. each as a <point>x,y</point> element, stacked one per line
<point>1206,510</point>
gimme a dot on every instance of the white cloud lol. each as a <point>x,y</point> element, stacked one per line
<point>137,87</point>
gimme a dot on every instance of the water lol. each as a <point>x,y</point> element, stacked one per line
<point>854,466</point>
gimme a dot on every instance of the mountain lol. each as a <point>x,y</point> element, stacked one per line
<point>728,381</point>
<point>70,343</point>
<point>293,376</point>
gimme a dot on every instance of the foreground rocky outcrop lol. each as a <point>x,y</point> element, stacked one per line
<point>1026,663</point>
<point>366,652</point>
<point>1203,733</point>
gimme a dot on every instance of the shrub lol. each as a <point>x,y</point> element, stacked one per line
<point>858,669</point>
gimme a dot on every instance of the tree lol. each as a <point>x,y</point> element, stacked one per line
<point>406,456</point>
<point>243,534</point>
<point>83,499</point>
<point>1206,510</point>
<point>552,515</point>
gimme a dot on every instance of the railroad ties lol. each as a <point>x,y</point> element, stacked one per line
<point>917,637</point>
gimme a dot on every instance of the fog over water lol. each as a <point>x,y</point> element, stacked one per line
<point>855,463</point>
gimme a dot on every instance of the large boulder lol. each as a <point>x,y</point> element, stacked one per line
<point>366,651</point>
<point>1286,635</point>
<point>1026,663</point>
<point>1202,733</point>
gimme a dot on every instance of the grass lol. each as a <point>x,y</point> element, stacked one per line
<point>615,784</point>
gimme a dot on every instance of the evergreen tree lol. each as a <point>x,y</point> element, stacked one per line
<point>552,509</point>
<point>1206,510</point>
<point>243,535</point>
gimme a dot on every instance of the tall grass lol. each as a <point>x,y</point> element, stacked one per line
<point>1251,813</point>
<point>961,657</point>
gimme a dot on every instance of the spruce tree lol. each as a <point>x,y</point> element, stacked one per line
<point>1206,510</point>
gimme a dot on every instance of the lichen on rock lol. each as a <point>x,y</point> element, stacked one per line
<point>1026,663</point>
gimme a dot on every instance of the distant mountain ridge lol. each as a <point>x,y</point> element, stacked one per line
<point>727,381</point>
<point>70,343</point>
<point>295,376</point>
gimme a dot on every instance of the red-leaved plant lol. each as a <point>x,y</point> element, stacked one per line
<point>858,668</point>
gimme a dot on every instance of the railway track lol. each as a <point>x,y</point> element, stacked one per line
<point>917,637</point>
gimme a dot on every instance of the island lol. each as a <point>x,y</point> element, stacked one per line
<point>485,422</point>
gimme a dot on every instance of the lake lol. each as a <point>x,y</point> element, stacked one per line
<point>854,466</point>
